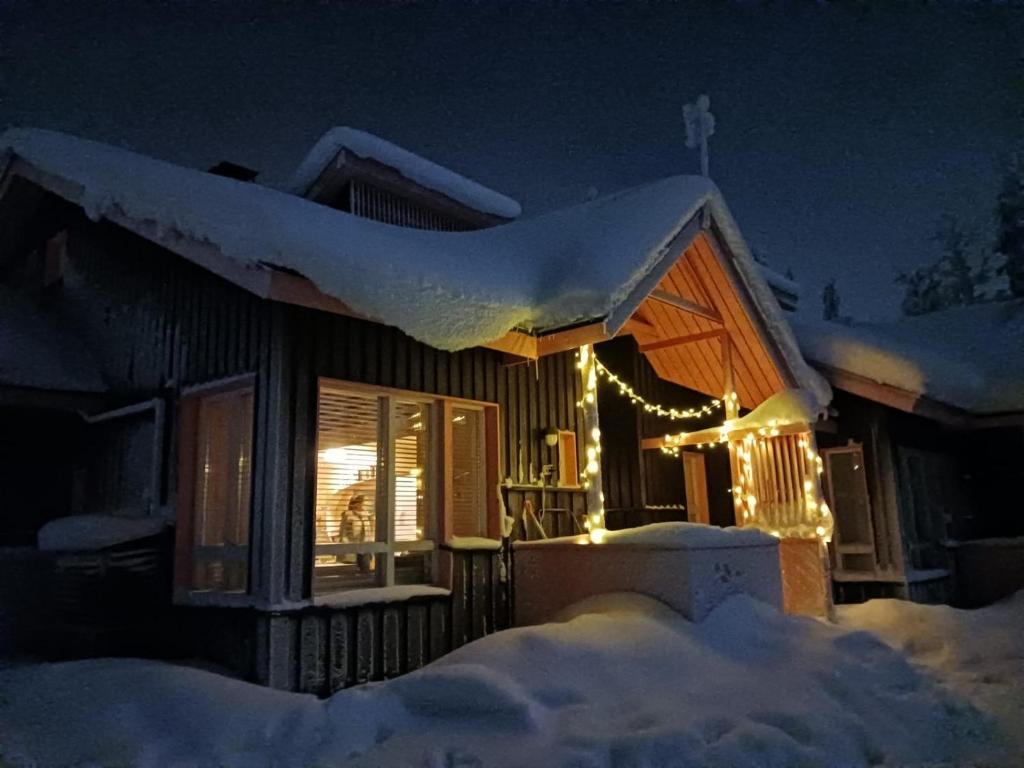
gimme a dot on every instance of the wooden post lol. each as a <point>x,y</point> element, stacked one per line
<point>732,411</point>
<point>591,440</point>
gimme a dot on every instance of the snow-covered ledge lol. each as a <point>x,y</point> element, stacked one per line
<point>689,567</point>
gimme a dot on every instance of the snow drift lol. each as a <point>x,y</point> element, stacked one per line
<point>622,682</point>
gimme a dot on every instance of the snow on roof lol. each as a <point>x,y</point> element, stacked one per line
<point>35,354</point>
<point>790,406</point>
<point>780,282</point>
<point>451,290</point>
<point>971,357</point>
<point>415,168</point>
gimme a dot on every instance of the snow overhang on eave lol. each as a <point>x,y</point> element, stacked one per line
<point>916,403</point>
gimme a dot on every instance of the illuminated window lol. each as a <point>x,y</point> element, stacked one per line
<point>384,461</point>
<point>215,494</point>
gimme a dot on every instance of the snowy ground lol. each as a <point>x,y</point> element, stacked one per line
<point>624,682</point>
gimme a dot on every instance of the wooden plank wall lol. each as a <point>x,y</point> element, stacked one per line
<point>531,396</point>
<point>321,650</point>
<point>639,481</point>
<point>152,318</point>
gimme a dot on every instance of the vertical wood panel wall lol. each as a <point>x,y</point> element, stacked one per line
<point>532,397</point>
<point>159,324</point>
<point>638,481</point>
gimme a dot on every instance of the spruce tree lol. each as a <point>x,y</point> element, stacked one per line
<point>830,301</point>
<point>1010,224</point>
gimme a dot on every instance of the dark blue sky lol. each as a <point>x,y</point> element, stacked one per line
<point>843,133</point>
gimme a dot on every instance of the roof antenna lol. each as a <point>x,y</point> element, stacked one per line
<point>700,126</point>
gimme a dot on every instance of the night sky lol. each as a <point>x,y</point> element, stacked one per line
<point>843,133</point>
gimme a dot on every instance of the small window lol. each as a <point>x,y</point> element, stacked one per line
<point>215,493</point>
<point>386,465</point>
<point>469,472</point>
<point>846,483</point>
<point>568,462</point>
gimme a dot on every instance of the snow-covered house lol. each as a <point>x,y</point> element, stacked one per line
<point>923,452</point>
<point>346,396</point>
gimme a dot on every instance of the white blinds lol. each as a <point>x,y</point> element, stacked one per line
<point>469,472</point>
<point>221,501</point>
<point>411,433</point>
<point>346,478</point>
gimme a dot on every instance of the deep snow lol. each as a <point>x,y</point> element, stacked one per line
<point>971,357</point>
<point>451,290</point>
<point>622,682</point>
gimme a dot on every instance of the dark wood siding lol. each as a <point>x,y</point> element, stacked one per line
<point>532,397</point>
<point>636,481</point>
<point>153,319</point>
<point>320,650</point>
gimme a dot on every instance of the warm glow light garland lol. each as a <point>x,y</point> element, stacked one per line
<point>590,477</point>
<point>817,519</point>
<point>676,414</point>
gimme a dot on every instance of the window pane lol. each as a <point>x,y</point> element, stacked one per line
<point>346,487</point>
<point>850,503</point>
<point>469,473</point>
<point>222,492</point>
<point>411,431</point>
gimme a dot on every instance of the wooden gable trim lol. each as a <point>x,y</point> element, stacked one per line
<point>900,399</point>
<point>671,252</point>
<point>726,258</point>
<point>680,340</point>
<point>572,338</point>
<point>685,305</point>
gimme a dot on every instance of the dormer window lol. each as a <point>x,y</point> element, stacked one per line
<point>358,173</point>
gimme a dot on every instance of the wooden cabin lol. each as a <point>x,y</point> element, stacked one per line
<point>345,399</point>
<point>922,453</point>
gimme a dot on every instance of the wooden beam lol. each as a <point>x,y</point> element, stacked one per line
<point>653,443</point>
<point>560,341</point>
<point>685,305</point>
<point>680,340</point>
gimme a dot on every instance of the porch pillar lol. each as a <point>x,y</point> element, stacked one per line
<point>592,442</point>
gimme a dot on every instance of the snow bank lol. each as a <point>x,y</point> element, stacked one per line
<point>623,682</point>
<point>415,168</point>
<point>87,533</point>
<point>451,290</point>
<point>780,282</point>
<point>970,357</point>
<point>35,353</point>
<point>979,654</point>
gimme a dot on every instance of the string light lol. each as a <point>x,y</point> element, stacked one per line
<point>675,414</point>
<point>590,476</point>
<point>816,519</point>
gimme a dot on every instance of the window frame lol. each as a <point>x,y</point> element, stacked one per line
<point>439,530</point>
<point>189,402</point>
<point>840,548</point>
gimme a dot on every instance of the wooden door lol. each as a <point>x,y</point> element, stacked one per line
<point>696,478</point>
